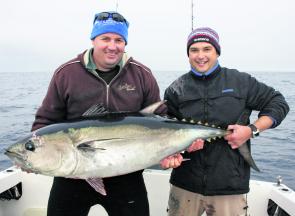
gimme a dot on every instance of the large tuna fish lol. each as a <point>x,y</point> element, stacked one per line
<point>112,144</point>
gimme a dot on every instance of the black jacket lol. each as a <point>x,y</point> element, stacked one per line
<point>219,99</point>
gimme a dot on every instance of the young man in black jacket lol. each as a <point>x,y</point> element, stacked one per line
<point>216,177</point>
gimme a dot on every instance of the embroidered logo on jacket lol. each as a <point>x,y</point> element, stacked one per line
<point>127,87</point>
<point>227,90</point>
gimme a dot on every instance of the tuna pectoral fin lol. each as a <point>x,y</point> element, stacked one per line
<point>97,184</point>
<point>245,152</point>
<point>95,145</point>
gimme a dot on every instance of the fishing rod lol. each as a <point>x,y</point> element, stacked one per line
<point>193,17</point>
<point>117,5</point>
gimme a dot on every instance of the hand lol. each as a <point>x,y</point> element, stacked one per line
<point>196,145</point>
<point>172,161</point>
<point>239,135</point>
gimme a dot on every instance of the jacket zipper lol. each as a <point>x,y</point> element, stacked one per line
<point>107,99</point>
<point>205,118</point>
<point>108,87</point>
<point>205,101</point>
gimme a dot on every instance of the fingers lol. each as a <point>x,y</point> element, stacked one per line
<point>233,145</point>
<point>196,145</point>
<point>172,161</point>
<point>165,163</point>
<point>231,127</point>
<point>239,136</point>
<point>232,140</point>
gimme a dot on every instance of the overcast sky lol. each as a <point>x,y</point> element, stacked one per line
<point>255,35</point>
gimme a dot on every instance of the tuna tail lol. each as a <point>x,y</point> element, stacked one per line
<point>244,148</point>
<point>244,151</point>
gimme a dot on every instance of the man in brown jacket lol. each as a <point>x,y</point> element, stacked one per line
<point>104,75</point>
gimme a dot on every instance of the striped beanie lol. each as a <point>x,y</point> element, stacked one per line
<point>204,34</point>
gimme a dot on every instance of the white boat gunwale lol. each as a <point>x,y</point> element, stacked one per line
<point>36,190</point>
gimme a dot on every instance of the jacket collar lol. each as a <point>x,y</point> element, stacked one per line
<point>207,75</point>
<point>89,62</point>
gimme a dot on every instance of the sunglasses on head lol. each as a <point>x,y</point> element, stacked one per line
<point>106,15</point>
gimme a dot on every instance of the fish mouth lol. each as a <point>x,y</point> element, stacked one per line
<point>12,155</point>
<point>19,160</point>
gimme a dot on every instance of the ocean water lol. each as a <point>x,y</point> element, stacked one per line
<point>21,93</point>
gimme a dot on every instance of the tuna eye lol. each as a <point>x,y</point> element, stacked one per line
<point>30,146</point>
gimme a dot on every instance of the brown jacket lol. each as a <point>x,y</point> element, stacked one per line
<point>73,89</point>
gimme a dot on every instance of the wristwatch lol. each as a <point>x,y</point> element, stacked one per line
<point>254,129</point>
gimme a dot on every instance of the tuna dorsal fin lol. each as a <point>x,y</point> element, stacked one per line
<point>149,110</point>
<point>95,110</point>
<point>98,110</point>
